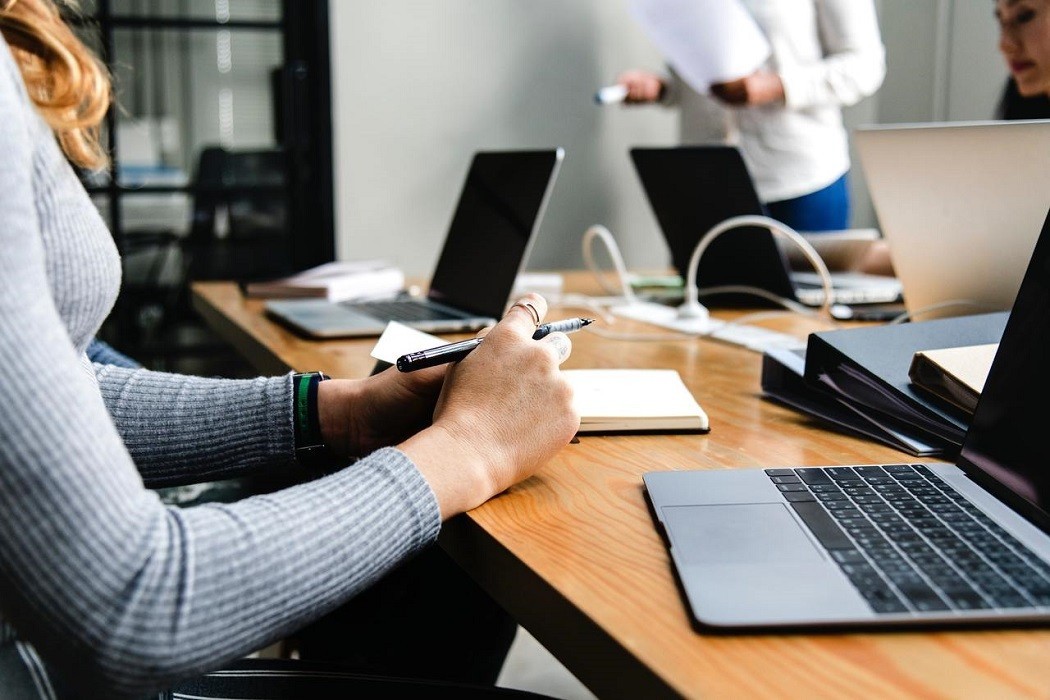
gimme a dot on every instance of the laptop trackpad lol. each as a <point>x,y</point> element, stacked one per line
<point>751,533</point>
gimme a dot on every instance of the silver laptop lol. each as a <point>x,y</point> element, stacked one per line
<point>693,188</point>
<point>891,544</point>
<point>960,205</point>
<point>499,210</point>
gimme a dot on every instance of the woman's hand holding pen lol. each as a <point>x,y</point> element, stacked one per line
<point>503,412</point>
<point>359,416</point>
<point>474,428</point>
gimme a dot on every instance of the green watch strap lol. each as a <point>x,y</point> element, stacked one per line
<point>305,413</point>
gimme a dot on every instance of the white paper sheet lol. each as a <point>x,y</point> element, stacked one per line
<point>399,339</point>
<point>706,41</point>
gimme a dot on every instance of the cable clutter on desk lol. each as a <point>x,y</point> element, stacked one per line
<point>691,319</point>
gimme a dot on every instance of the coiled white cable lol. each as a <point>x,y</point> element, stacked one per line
<point>691,307</point>
<point>600,232</point>
<point>626,294</point>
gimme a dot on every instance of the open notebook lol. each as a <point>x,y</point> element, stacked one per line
<point>608,400</point>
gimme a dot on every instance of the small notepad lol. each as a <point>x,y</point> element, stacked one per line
<point>614,400</point>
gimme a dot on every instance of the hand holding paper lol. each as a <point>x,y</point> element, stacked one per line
<point>759,88</point>
<point>707,41</point>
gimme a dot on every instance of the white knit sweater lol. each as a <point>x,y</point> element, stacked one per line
<point>828,54</point>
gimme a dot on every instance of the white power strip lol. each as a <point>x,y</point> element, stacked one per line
<point>757,339</point>
<point>667,317</point>
<point>750,337</point>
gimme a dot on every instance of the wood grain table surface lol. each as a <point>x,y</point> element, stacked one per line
<point>573,554</point>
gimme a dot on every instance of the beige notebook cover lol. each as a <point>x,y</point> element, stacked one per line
<point>955,374</point>
<point>613,400</point>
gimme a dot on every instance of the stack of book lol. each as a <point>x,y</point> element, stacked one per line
<point>335,281</point>
<point>858,379</point>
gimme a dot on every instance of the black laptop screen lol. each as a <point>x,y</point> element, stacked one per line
<point>491,228</point>
<point>1007,448</point>
<point>693,188</point>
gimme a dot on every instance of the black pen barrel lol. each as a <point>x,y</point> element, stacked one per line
<point>454,352</point>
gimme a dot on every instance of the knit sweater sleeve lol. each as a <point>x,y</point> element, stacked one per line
<point>181,429</point>
<point>120,594</point>
<point>854,62</point>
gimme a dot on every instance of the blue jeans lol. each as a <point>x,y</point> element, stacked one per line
<point>827,209</point>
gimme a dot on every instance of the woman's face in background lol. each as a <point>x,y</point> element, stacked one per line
<point>1024,40</point>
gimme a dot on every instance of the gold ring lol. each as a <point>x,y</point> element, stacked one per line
<point>531,309</point>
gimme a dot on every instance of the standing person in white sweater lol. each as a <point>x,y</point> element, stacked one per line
<point>104,591</point>
<point>786,118</point>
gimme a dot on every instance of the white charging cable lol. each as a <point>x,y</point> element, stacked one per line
<point>602,233</point>
<point>626,295</point>
<point>691,307</point>
<point>977,307</point>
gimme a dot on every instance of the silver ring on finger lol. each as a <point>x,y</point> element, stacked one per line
<point>531,309</point>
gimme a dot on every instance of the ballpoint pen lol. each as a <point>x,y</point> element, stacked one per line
<point>454,352</point>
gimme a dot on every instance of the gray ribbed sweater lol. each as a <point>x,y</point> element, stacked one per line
<point>119,593</point>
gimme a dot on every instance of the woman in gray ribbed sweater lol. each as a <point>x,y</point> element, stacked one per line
<point>120,594</point>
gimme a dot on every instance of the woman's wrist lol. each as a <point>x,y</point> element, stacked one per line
<point>453,466</point>
<point>336,399</point>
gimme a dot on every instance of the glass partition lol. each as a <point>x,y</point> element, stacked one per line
<point>219,135</point>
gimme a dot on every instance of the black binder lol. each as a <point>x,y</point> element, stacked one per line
<point>783,381</point>
<point>867,369</point>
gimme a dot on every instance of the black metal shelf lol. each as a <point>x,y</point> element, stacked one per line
<point>130,22</point>
<point>233,190</point>
<point>303,135</point>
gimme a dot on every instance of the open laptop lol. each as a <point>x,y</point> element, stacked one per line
<point>693,188</point>
<point>960,205</point>
<point>500,208</point>
<point>894,544</point>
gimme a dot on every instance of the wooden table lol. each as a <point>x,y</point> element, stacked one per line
<point>572,552</point>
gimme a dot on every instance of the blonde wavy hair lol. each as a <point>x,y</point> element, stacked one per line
<point>68,84</point>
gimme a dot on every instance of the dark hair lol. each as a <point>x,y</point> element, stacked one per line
<point>1013,105</point>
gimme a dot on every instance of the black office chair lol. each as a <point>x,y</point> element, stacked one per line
<point>238,230</point>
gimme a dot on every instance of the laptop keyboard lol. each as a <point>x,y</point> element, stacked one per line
<point>403,311</point>
<point>910,543</point>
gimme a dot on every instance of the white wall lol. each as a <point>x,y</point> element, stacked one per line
<point>420,85</point>
<point>942,64</point>
<point>942,61</point>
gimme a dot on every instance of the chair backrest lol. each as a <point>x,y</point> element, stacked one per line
<point>208,184</point>
<point>239,227</point>
<point>257,203</point>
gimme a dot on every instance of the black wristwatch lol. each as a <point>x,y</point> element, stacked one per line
<point>310,449</point>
